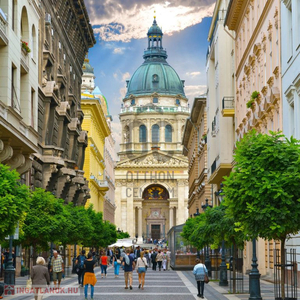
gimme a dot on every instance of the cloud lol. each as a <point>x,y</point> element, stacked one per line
<point>117,131</point>
<point>193,74</point>
<point>118,75</point>
<point>192,91</point>
<point>119,50</point>
<point>124,20</point>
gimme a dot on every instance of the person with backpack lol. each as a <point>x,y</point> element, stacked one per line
<point>129,265</point>
<point>80,267</point>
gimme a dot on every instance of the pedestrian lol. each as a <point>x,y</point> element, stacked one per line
<point>40,278</point>
<point>159,259</point>
<point>116,262</point>
<point>109,255</point>
<point>200,273</point>
<point>164,261</point>
<point>141,265</point>
<point>89,276</point>
<point>137,253</point>
<point>57,267</point>
<point>153,259</point>
<point>80,267</point>
<point>147,254</point>
<point>129,265</point>
<point>104,263</point>
<point>168,259</point>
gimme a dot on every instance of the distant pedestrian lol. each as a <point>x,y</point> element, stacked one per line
<point>200,272</point>
<point>79,263</point>
<point>164,261</point>
<point>147,254</point>
<point>116,262</point>
<point>141,265</point>
<point>129,265</point>
<point>153,259</point>
<point>89,276</point>
<point>40,278</point>
<point>159,259</point>
<point>57,266</point>
<point>104,263</point>
<point>168,259</point>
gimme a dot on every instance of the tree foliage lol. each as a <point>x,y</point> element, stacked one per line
<point>45,220</point>
<point>14,200</point>
<point>122,235</point>
<point>262,193</point>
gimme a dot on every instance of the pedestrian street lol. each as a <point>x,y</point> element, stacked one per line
<point>159,285</point>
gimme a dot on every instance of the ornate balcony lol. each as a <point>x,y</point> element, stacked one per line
<point>228,107</point>
<point>155,109</point>
<point>24,61</point>
<point>102,185</point>
<point>3,29</point>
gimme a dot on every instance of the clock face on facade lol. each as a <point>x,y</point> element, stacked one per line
<point>155,213</point>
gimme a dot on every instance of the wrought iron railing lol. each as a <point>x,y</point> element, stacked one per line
<point>228,103</point>
<point>155,109</point>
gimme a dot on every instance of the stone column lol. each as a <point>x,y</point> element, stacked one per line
<point>180,212</point>
<point>171,216</point>
<point>140,225</point>
<point>130,209</point>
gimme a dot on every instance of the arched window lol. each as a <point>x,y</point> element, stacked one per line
<point>33,43</point>
<point>143,134</point>
<point>168,134</point>
<point>155,133</point>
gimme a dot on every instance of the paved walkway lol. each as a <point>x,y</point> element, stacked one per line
<point>164,285</point>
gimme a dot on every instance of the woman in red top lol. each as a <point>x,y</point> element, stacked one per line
<point>103,263</point>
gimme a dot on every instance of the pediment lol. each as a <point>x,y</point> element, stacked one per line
<point>154,159</point>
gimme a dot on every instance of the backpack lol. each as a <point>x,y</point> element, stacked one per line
<point>82,259</point>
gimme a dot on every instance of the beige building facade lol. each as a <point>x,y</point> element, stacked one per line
<point>152,174</point>
<point>256,26</point>
<point>220,101</point>
<point>19,52</point>
<point>195,148</point>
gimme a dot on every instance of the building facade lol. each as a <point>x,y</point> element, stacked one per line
<point>195,148</point>
<point>256,25</point>
<point>19,53</point>
<point>65,35</point>
<point>95,123</point>
<point>152,176</point>
<point>220,100</point>
<point>290,60</point>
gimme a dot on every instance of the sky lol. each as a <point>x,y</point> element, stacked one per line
<point>120,28</point>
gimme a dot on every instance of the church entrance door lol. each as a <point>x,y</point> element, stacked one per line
<point>155,232</point>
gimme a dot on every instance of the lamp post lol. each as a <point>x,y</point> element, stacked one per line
<point>223,268</point>
<point>9,273</point>
<point>254,277</point>
<point>207,259</point>
<point>74,259</point>
<point>196,213</point>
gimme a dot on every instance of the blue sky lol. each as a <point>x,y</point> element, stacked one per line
<point>120,28</point>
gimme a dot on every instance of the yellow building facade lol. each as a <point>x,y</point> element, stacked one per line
<point>96,125</point>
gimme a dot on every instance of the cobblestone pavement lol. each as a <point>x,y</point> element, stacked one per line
<point>164,285</point>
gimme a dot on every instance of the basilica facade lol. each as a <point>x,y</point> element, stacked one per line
<point>152,174</point>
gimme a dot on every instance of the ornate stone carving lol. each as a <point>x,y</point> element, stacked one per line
<point>155,160</point>
<point>16,161</point>
<point>6,153</point>
<point>26,166</point>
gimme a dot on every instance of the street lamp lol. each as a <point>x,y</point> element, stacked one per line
<point>196,213</point>
<point>9,273</point>
<point>223,268</point>
<point>206,205</point>
<point>254,277</point>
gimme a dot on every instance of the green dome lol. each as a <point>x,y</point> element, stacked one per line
<point>87,68</point>
<point>154,29</point>
<point>155,75</point>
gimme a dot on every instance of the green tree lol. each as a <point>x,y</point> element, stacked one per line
<point>122,235</point>
<point>103,234</point>
<point>194,232</point>
<point>262,194</point>
<point>44,221</point>
<point>14,200</point>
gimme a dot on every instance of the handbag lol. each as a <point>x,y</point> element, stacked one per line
<point>118,261</point>
<point>206,279</point>
<point>29,284</point>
